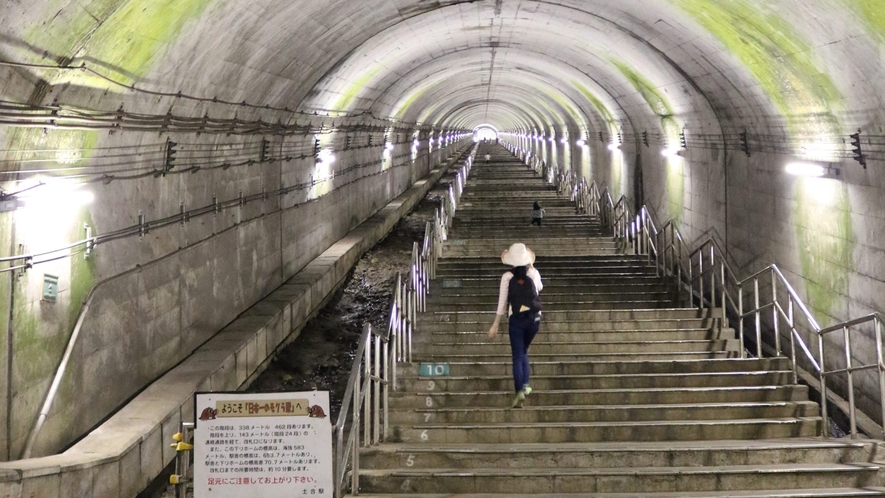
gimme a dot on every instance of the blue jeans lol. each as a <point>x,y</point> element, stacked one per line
<point>523,328</point>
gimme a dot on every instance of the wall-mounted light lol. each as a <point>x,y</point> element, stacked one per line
<point>581,143</point>
<point>325,156</point>
<point>389,146</point>
<point>671,152</point>
<point>816,170</point>
<point>613,147</point>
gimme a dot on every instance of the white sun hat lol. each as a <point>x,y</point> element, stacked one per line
<point>518,255</point>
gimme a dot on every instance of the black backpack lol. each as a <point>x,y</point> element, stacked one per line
<point>521,293</point>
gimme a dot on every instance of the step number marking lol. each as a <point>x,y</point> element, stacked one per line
<point>459,242</point>
<point>434,370</point>
<point>424,435</point>
<point>427,417</point>
<point>407,485</point>
<point>428,401</point>
<point>449,283</point>
<point>410,462</point>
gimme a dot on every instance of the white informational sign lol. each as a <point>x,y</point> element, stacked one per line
<point>263,445</point>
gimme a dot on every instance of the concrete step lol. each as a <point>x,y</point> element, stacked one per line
<point>559,284</point>
<point>490,296</point>
<point>549,262</point>
<point>565,315</point>
<point>602,381</point>
<point>577,306</point>
<point>454,252</point>
<point>601,455</point>
<point>622,480</point>
<point>469,337</point>
<point>568,241</point>
<point>606,413</point>
<point>488,286</point>
<point>561,397</point>
<point>763,493</point>
<point>555,278</point>
<point>568,259</point>
<point>586,272</point>
<point>551,323</point>
<point>564,367</point>
<point>639,431</point>
<point>421,356</point>
<point>543,347</point>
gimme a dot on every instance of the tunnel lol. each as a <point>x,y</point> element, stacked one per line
<point>169,164</point>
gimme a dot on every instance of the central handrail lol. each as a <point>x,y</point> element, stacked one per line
<point>710,281</point>
<point>364,407</point>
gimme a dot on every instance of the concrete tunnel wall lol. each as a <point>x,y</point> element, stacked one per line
<point>797,76</point>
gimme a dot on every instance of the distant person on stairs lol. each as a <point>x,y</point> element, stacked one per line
<point>537,213</point>
<point>519,291</point>
<point>488,157</point>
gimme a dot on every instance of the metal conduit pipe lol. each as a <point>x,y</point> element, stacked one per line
<point>187,215</point>
<point>214,100</point>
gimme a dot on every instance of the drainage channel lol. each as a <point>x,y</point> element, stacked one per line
<point>322,355</point>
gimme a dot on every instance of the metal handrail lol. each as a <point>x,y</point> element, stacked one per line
<point>707,265</point>
<point>373,374</point>
<point>722,279</point>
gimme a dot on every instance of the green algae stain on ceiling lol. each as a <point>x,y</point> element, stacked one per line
<point>139,30</point>
<point>118,38</point>
<point>66,27</point>
<point>779,59</point>
<point>872,12</point>
<point>354,89</point>
<point>565,104</point>
<point>646,88</point>
<point>594,100</point>
<point>409,101</point>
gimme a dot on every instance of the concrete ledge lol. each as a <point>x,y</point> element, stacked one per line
<point>130,449</point>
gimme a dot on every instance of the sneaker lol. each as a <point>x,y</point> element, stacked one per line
<point>518,400</point>
<point>527,390</point>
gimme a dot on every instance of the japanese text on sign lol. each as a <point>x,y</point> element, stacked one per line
<point>262,445</point>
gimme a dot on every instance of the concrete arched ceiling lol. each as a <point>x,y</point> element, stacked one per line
<point>585,64</point>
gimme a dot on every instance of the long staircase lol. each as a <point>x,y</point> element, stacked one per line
<point>635,394</point>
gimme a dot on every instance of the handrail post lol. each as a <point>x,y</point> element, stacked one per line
<point>793,333</point>
<point>741,318</point>
<point>881,370</point>
<point>388,378</point>
<point>678,250</point>
<point>757,314</point>
<point>824,417</point>
<point>701,278</point>
<point>367,375</point>
<point>690,281</point>
<point>722,282</point>
<point>712,280</point>
<point>852,409</point>
<point>376,401</point>
<point>355,455</point>
<point>774,315</point>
